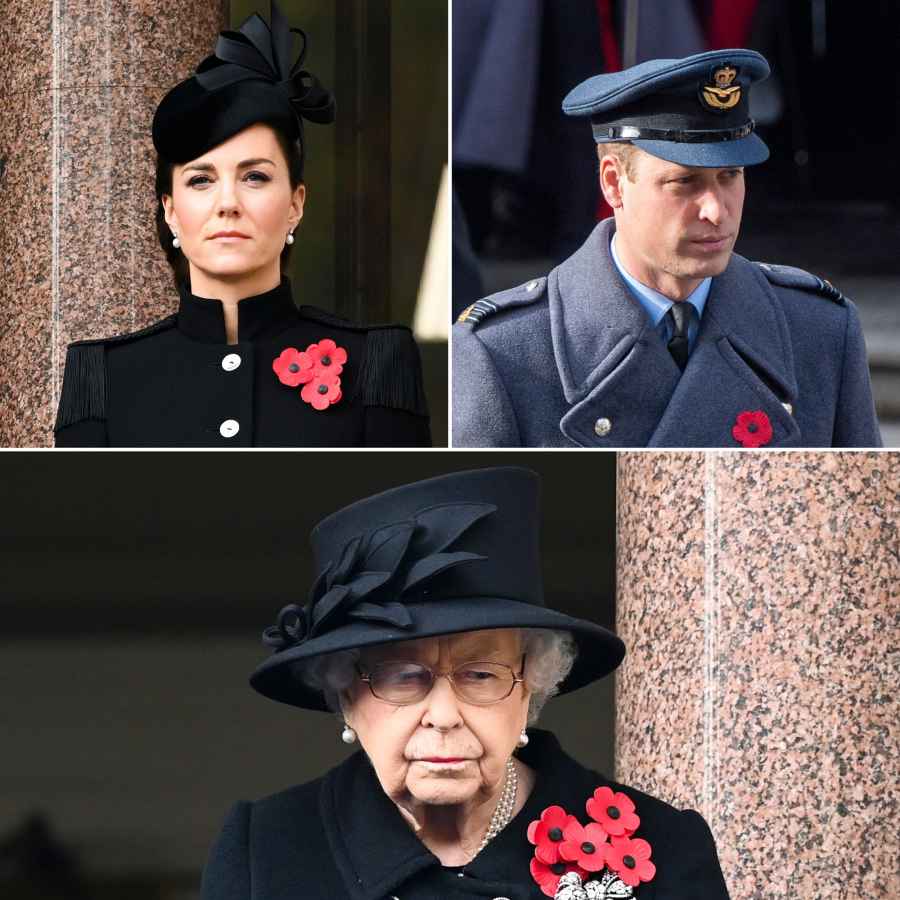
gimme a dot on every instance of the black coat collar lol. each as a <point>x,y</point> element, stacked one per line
<point>376,851</point>
<point>259,316</point>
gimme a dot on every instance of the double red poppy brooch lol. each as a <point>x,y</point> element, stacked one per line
<point>598,861</point>
<point>752,428</point>
<point>318,369</point>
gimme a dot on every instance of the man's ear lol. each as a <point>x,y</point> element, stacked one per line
<point>612,174</point>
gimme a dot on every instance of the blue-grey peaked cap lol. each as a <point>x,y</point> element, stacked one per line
<point>693,111</point>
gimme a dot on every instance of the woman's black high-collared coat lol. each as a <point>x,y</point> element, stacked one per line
<point>179,384</point>
<point>341,836</point>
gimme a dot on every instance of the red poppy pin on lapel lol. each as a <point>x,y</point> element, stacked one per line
<point>318,369</point>
<point>598,861</point>
<point>752,428</point>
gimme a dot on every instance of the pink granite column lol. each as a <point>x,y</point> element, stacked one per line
<point>79,81</point>
<point>758,596</point>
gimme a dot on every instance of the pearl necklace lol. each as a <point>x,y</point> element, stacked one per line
<point>505,805</point>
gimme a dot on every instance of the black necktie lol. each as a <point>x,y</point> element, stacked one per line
<point>678,343</point>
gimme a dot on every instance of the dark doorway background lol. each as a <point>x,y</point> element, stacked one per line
<point>136,587</point>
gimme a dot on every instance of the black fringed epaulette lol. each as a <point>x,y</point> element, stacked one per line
<point>84,385</point>
<point>523,295</point>
<point>83,393</point>
<point>800,279</point>
<point>391,374</point>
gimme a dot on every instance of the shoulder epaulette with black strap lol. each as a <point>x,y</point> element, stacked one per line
<point>162,325</point>
<point>83,393</point>
<point>523,295</point>
<point>391,373</point>
<point>327,318</point>
<point>800,279</point>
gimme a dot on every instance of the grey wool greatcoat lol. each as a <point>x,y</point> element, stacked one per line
<point>341,836</point>
<point>573,360</point>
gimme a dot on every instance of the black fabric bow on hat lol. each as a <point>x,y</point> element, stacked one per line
<point>255,51</point>
<point>376,569</point>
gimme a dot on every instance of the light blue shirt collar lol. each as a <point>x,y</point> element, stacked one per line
<point>656,305</point>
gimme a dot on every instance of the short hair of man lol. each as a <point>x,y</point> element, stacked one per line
<point>625,152</point>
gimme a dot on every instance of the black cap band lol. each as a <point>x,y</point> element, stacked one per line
<point>607,133</point>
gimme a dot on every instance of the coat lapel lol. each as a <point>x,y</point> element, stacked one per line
<point>611,363</point>
<point>622,385</point>
<point>742,362</point>
<point>372,847</point>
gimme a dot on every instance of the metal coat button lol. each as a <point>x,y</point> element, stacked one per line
<point>789,408</point>
<point>231,362</point>
<point>531,286</point>
<point>229,428</point>
<point>602,427</point>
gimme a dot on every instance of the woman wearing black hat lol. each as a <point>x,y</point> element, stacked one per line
<point>239,364</point>
<point>427,632</point>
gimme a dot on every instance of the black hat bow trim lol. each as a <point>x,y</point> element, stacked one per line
<point>256,52</point>
<point>375,569</point>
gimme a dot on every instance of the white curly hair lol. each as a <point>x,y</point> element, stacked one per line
<point>549,657</point>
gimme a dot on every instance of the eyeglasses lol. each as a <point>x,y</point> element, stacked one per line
<point>405,683</point>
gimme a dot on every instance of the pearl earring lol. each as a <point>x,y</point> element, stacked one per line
<point>290,237</point>
<point>523,739</point>
<point>348,735</point>
<point>175,242</point>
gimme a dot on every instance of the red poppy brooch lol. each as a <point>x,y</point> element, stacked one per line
<point>598,861</point>
<point>752,428</point>
<point>318,369</point>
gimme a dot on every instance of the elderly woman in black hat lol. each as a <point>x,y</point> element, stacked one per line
<point>427,633</point>
<point>239,364</point>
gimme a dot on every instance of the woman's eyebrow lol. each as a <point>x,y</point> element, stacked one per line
<point>209,167</point>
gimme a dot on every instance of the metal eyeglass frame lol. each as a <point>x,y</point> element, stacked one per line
<point>517,679</point>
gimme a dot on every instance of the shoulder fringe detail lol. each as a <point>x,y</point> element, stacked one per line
<point>84,385</point>
<point>800,279</point>
<point>391,374</point>
<point>84,381</point>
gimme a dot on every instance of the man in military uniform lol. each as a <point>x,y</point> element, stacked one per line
<point>654,333</point>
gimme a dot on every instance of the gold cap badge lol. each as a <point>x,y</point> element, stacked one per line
<point>720,94</point>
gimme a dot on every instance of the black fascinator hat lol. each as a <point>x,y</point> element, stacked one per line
<point>450,554</point>
<point>250,78</point>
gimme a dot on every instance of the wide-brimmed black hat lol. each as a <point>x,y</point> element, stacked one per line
<point>249,79</point>
<point>454,553</point>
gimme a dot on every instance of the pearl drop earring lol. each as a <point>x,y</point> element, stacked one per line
<point>175,242</point>
<point>523,739</point>
<point>348,735</point>
<point>290,237</point>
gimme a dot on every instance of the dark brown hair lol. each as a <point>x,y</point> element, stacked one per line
<point>292,148</point>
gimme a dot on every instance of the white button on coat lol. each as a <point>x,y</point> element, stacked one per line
<point>231,362</point>
<point>229,428</point>
<point>602,427</point>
